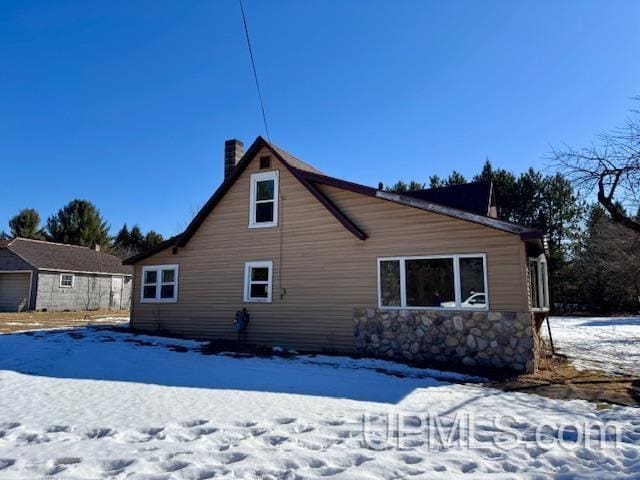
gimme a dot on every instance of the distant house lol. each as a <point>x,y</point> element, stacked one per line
<point>323,264</point>
<point>37,275</point>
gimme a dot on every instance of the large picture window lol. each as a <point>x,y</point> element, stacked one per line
<point>263,210</point>
<point>257,281</point>
<point>159,283</point>
<point>452,281</point>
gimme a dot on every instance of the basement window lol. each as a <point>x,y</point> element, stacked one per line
<point>66,280</point>
<point>257,281</point>
<point>433,282</point>
<point>159,283</point>
<point>263,204</point>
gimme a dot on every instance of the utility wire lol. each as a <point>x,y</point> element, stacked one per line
<point>255,72</point>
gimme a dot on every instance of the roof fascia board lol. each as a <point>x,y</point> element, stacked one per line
<point>84,272</point>
<point>342,184</point>
<point>329,205</point>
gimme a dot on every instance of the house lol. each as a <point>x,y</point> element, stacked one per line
<point>38,275</point>
<point>323,264</point>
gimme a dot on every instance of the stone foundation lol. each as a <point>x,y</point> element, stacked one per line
<point>483,339</point>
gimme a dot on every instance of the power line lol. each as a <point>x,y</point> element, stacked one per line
<point>255,72</point>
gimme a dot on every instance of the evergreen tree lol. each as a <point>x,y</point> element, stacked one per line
<point>456,178</point>
<point>398,187</point>
<point>122,240</point>
<point>402,187</point>
<point>486,174</point>
<point>151,239</point>
<point>26,224</point>
<point>136,239</point>
<point>413,186</point>
<point>78,223</point>
<point>607,265</point>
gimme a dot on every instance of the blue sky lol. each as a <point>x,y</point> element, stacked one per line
<point>128,104</point>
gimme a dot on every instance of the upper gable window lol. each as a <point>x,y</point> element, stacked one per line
<point>263,204</point>
<point>265,163</point>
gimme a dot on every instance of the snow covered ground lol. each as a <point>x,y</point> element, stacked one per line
<point>611,344</point>
<point>96,403</point>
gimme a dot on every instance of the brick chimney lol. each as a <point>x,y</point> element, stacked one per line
<point>233,151</point>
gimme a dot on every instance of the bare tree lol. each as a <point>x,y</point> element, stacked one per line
<point>611,169</point>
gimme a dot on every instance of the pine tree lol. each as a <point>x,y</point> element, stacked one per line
<point>78,223</point>
<point>26,224</point>
<point>122,240</point>
<point>456,178</point>
<point>402,187</point>
<point>151,239</point>
<point>136,239</point>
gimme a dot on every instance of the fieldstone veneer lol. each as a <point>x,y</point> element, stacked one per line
<point>483,339</point>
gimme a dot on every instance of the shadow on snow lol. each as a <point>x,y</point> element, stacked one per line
<point>611,322</point>
<point>101,354</point>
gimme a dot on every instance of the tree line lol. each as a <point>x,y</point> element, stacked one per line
<point>80,223</point>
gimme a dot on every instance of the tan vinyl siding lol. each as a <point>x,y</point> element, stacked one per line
<point>321,271</point>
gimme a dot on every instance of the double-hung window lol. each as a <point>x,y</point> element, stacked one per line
<point>539,283</point>
<point>263,204</point>
<point>257,281</point>
<point>159,283</point>
<point>66,280</point>
<point>443,281</point>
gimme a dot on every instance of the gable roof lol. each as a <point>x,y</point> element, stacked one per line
<point>295,166</point>
<point>434,201</point>
<point>62,257</point>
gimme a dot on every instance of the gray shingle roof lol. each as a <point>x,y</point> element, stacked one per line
<point>58,256</point>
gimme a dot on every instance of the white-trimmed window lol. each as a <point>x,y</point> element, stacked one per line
<point>66,280</point>
<point>539,283</point>
<point>257,281</point>
<point>263,202</point>
<point>159,283</point>
<point>433,282</point>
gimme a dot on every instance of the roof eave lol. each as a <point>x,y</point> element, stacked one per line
<point>171,242</point>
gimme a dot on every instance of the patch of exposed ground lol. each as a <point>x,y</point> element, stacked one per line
<point>558,378</point>
<point>15,322</point>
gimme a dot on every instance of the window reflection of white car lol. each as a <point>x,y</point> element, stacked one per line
<point>475,300</point>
